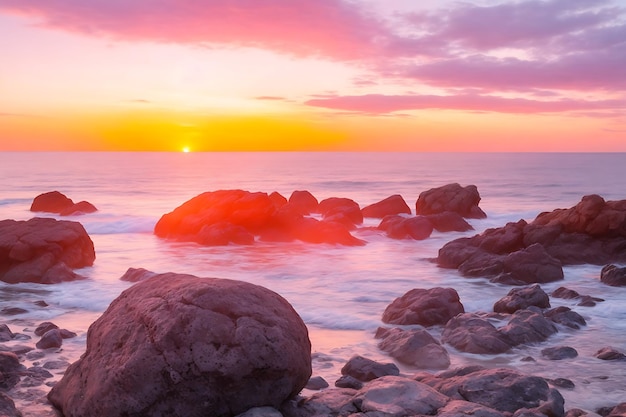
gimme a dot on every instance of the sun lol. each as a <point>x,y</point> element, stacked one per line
<point>186,149</point>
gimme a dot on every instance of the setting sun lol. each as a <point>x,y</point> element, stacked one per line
<point>186,149</point>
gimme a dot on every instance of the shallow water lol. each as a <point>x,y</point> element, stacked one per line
<point>340,292</point>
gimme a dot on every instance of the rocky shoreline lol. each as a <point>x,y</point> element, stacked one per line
<point>171,339</point>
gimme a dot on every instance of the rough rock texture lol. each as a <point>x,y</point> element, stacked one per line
<point>593,231</point>
<point>451,197</point>
<point>609,353</point>
<point>471,333</point>
<point>521,298</point>
<point>43,250</point>
<point>566,317</point>
<point>528,326</point>
<point>394,204</point>
<point>364,369</point>
<point>237,216</point>
<point>449,221</point>
<point>137,274</point>
<point>173,339</point>
<point>56,202</point>
<point>426,307</point>
<point>10,369</point>
<point>415,347</point>
<point>613,276</point>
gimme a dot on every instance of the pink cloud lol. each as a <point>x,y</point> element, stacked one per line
<point>381,104</point>
<point>329,28</point>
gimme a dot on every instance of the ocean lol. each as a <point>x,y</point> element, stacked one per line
<point>340,292</point>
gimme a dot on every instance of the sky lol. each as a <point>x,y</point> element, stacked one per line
<point>313,75</point>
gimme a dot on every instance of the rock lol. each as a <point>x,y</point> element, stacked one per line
<point>527,326</point>
<point>10,369</point>
<point>397,396</point>
<point>365,369</point>
<point>342,210</point>
<point>521,298</point>
<point>504,390</point>
<point>394,204</point>
<point>316,383</point>
<point>613,276</point>
<point>451,197</point>
<point>13,311</point>
<point>51,202</point>
<point>59,203</point>
<point>565,293</point>
<point>562,383</point>
<point>44,327</point>
<point>7,406</point>
<point>237,216</point>
<point>51,339</point>
<point>400,227</point>
<point>617,411</point>
<point>5,333</point>
<point>533,264</point>
<point>459,408</point>
<point>427,307</point>
<point>473,334</point>
<point>137,274</point>
<point>304,201</point>
<point>347,381</point>
<point>610,354</point>
<point>43,250</point>
<point>331,402</point>
<point>261,412</point>
<point>278,199</point>
<point>559,353</point>
<point>449,221</point>
<point>566,317</point>
<point>171,339</point>
<point>415,347</point>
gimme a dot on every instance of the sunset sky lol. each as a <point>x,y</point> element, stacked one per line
<point>374,75</point>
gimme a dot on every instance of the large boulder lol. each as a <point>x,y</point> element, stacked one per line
<point>182,345</point>
<point>238,217</point>
<point>428,307</point>
<point>59,203</point>
<point>394,204</point>
<point>451,197</point>
<point>43,250</point>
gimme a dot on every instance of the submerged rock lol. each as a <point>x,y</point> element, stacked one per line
<point>59,203</point>
<point>173,339</point>
<point>43,250</point>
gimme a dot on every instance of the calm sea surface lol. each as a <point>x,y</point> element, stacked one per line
<point>340,292</point>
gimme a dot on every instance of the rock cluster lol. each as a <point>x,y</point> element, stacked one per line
<point>59,203</point>
<point>43,250</point>
<point>182,345</point>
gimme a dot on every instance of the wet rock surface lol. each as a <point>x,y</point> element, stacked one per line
<point>427,307</point>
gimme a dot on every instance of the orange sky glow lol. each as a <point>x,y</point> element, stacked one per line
<point>319,75</point>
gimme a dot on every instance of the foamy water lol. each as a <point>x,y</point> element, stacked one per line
<point>340,292</point>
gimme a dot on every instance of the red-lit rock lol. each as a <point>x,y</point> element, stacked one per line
<point>394,204</point>
<point>59,203</point>
<point>451,197</point>
<point>43,250</point>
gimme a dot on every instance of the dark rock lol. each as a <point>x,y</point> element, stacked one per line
<point>316,383</point>
<point>562,383</point>
<point>43,250</point>
<point>347,381</point>
<point>365,369</point>
<point>559,353</point>
<point>415,347</point>
<point>82,207</point>
<point>394,204</point>
<point>418,228</point>
<point>613,276</point>
<point>397,396</point>
<point>459,408</point>
<point>617,411</point>
<point>449,221</point>
<point>533,265</point>
<point>38,372</point>
<point>473,334</point>
<point>304,201</point>
<point>7,406</point>
<point>565,293</point>
<point>44,327</point>
<point>171,339</point>
<point>575,412</point>
<point>19,349</point>
<point>610,354</point>
<point>527,326</point>
<point>330,402</point>
<point>66,334</point>
<point>10,369</point>
<point>521,298</point>
<point>451,197</point>
<point>60,364</point>
<point>51,202</point>
<point>5,333</point>
<point>261,412</point>
<point>137,274</point>
<point>566,317</point>
<point>51,339</point>
<point>427,307</point>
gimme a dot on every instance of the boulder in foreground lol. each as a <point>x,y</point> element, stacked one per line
<point>43,250</point>
<point>182,345</point>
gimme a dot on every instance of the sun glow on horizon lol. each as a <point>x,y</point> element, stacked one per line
<point>186,149</point>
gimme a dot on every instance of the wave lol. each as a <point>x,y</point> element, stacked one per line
<point>119,226</point>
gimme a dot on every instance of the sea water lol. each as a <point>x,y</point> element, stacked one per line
<point>340,292</point>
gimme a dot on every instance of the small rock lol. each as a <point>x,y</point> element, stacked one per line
<point>51,339</point>
<point>427,307</point>
<point>613,276</point>
<point>559,353</point>
<point>60,364</point>
<point>5,333</point>
<point>566,317</point>
<point>521,298</point>
<point>261,412</point>
<point>365,369</point>
<point>13,311</point>
<point>347,381</point>
<point>316,383</point>
<point>44,327</point>
<point>609,354</point>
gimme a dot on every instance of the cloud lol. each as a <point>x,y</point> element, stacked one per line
<point>329,28</point>
<point>381,104</point>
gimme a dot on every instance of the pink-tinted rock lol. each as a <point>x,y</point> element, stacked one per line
<point>400,227</point>
<point>521,298</point>
<point>7,406</point>
<point>528,326</point>
<point>559,353</point>
<point>51,339</point>
<point>451,197</point>
<point>609,353</point>
<point>566,317</point>
<point>364,369</point>
<point>460,408</point>
<point>415,347</point>
<point>304,201</point>
<point>394,204</point>
<point>613,276</point>
<point>427,307</point>
<point>82,207</point>
<point>449,221</point>
<point>532,265</point>
<point>137,274</point>
<point>341,208</point>
<point>45,327</point>
<point>278,199</point>
<point>10,369</point>
<point>51,202</point>
<point>43,250</point>
<point>171,340</point>
<point>471,333</point>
